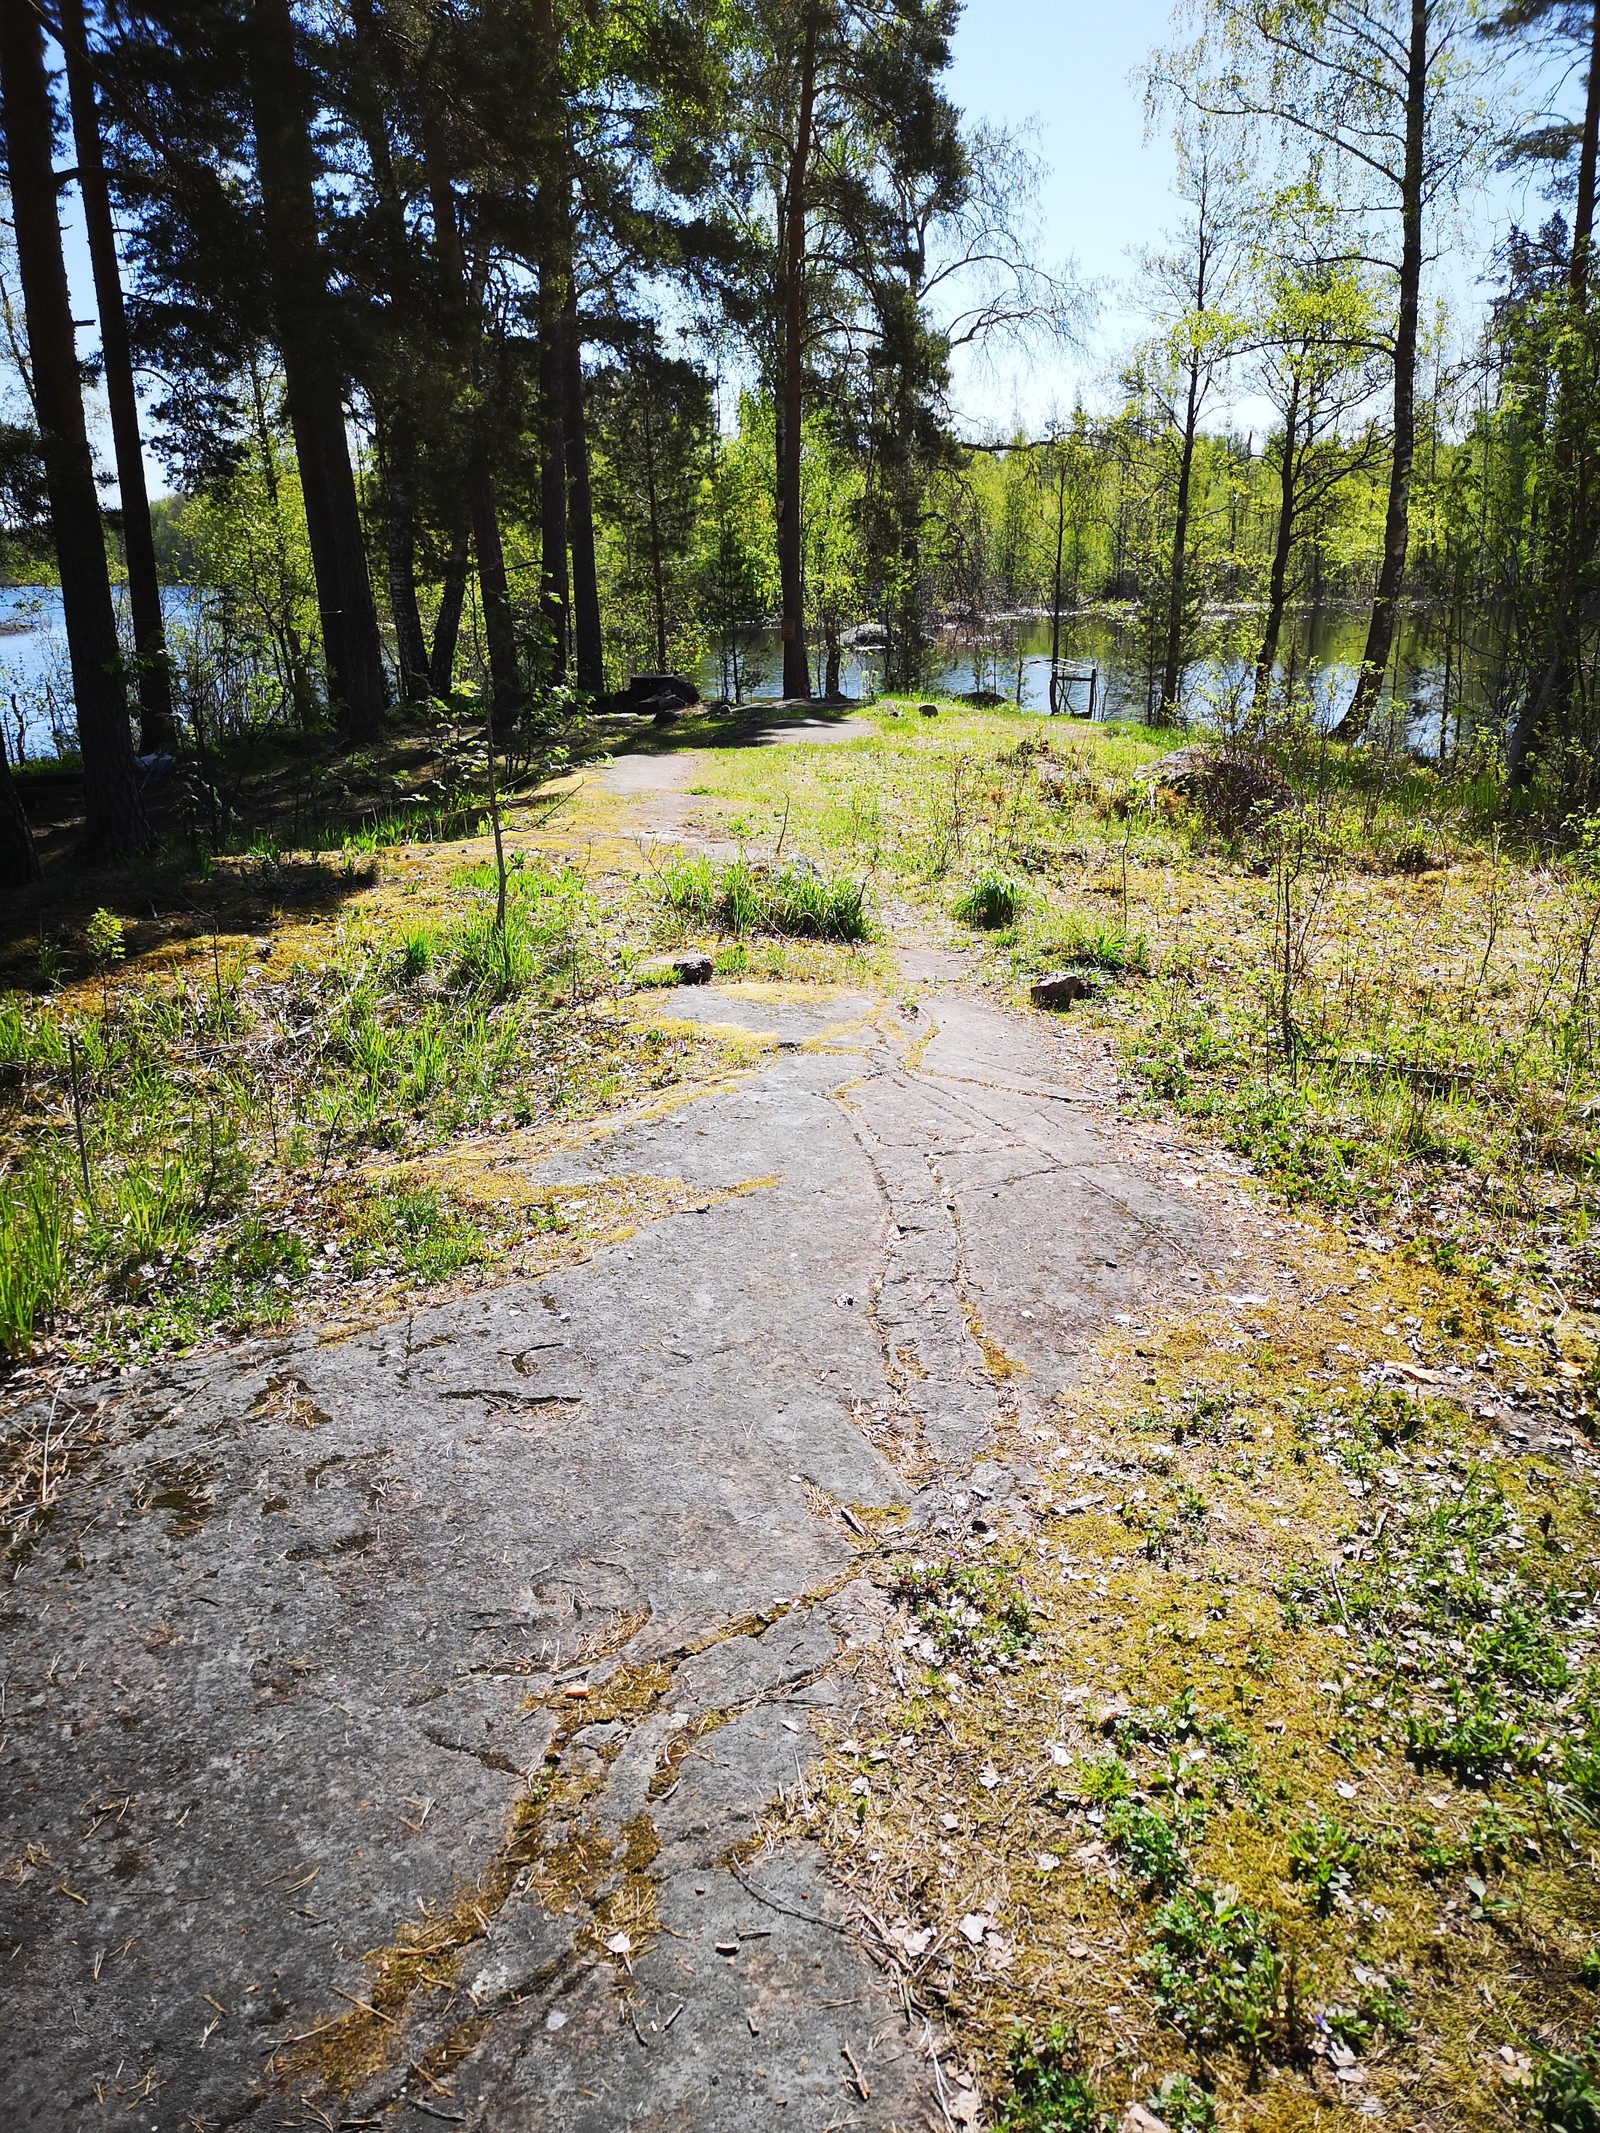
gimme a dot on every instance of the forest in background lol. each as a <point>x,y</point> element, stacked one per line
<point>508,352</point>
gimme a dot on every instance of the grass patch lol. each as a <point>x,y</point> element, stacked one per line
<point>744,897</point>
<point>991,899</point>
<point>180,1147</point>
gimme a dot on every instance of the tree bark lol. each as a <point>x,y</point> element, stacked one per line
<point>398,458</point>
<point>1397,517</point>
<point>1055,585</point>
<point>554,587</point>
<point>1554,684</point>
<point>19,862</point>
<point>447,623</point>
<point>1583,212</point>
<point>587,638</point>
<point>796,665</point>
<point>658,596</point>
<point>499,627</point>
<point>114,814</point>
<point>1172,667</point>
<point>154,673</point>
<point>286,166</point>
<point>1282,547</point>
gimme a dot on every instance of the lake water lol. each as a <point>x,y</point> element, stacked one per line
<point>35,674</point>
<point>1013,660</point>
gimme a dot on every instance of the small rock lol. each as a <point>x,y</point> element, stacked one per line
<point>1060,989</point>
<point>1136,2119</point>
<point>929,710</point>
<point>686,969</point>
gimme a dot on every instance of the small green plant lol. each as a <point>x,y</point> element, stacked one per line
<point>418,1234</point>
<point>1104,1778</point>
<point>1326,1857</point>
<point>34,1245</point>
<point>743,897</point>
<point>1214,1971</point>
<point>103,937</point>
<point>991,899</point>
<point>499,961</point>
<point>1565,2096</point>
<point>1095,944</point>
<point>1049,2091</point>
<point>1150,1844</point>
<point>1380,2009</point>
<point>1183,2106</point>
<point>968,1613</point>
<point>416,953</point>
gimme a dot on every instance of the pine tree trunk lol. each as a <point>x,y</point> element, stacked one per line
<point>1397,517</point>
<point>447,623</point>
<point>19,862</point>
<point>398,460</point>
<point>114,814</point>
<point>588,642</point>
<point>791,578</point>
<point>494,594</point>
<point>154,678</point>
<point>286,166</point>
<point>554,592</point>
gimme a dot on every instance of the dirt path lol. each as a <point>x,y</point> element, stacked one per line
<point>388,1718</point>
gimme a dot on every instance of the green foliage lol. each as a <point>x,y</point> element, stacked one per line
<point>1565,2096</point>
<point>1094,944</point>
<point>1327,1858</point>
<point>1183,2106</point>
<point>744,897</point>
<point>419,1234</point>
<point>34,1256</point>
<point>1049,2091</point>
<point>1214,1970</point>
<point>1150,1844</point>
<point>990,899</point>
<point>103,937</point>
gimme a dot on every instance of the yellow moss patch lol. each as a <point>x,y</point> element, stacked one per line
<point>1191,1494</point>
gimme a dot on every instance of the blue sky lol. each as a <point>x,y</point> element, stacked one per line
<point>1069,66</point>
<point>1068,69</point>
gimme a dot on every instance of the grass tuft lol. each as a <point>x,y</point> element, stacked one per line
<point>991,899</point>
<point>744,897</point>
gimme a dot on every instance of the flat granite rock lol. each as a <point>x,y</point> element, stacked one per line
<point>364,1688</point>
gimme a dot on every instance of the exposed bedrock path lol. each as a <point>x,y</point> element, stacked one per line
<point>304,1824</point>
